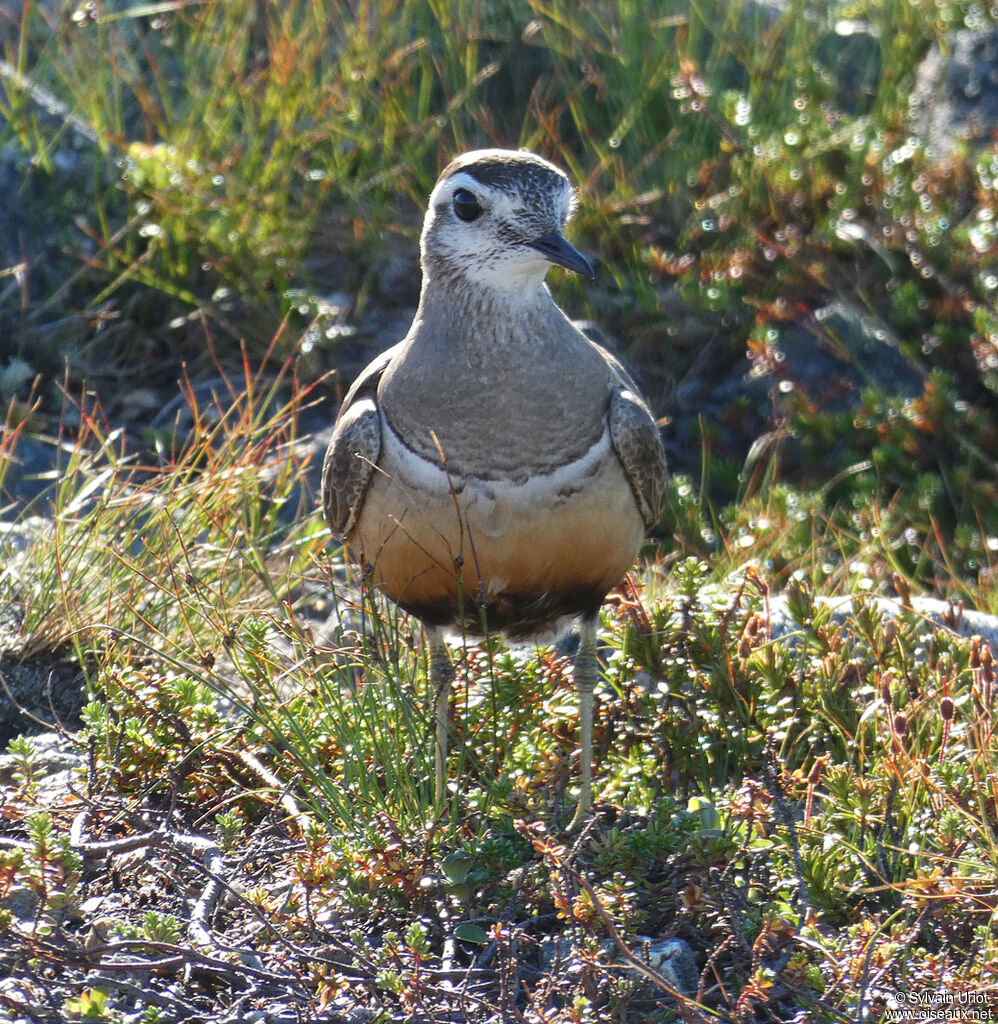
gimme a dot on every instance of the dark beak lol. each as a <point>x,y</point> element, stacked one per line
<point>557,249</point>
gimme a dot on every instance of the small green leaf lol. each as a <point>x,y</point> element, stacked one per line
<point>471,933</point>
<point>456,867</point>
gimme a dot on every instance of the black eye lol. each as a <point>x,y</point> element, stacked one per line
<point>466,205</point>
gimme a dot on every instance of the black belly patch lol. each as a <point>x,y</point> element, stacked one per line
<point>516,616</point>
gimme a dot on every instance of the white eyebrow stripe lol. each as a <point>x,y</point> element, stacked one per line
<point>461,179</point>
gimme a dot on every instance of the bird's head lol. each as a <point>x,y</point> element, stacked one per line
<point>495,221</point>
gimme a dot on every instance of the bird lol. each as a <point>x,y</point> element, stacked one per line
<point>496,471</point>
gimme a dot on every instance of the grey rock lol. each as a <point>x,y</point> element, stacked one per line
<point>30,471</point>
<point>956,93</point>
<point>842,353</point>
<point>21,992</point>
<point>16,536</point>
<point>556,951</point>
<point>674,959</point>
<point>22,902</point>
<point>37,693</point>
<point>55,761</point>
<point>938,615</point>
<point>830,358</point>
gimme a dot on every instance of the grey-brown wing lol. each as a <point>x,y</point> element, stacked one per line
<point>353,450</point>
<point>635,438</point>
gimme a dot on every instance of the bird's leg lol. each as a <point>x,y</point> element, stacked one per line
<point>586,670</point>
<point>441,676</point>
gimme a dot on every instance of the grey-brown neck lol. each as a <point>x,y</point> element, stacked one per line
<point>448,308</point>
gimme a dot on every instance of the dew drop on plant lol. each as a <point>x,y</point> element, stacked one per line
<point>791,138</point>
<point>979,239</point>
<point>614,142</point>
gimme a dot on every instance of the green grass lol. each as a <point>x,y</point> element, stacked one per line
<point>815,815</point>
<point>838,786</point>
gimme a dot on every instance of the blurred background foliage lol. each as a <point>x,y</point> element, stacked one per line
<point>797,245</point>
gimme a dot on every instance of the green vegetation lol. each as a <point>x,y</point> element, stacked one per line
<point>814,814</point>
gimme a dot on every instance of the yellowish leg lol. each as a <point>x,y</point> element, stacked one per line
<point>441,676</point>
<point>586,671</point>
